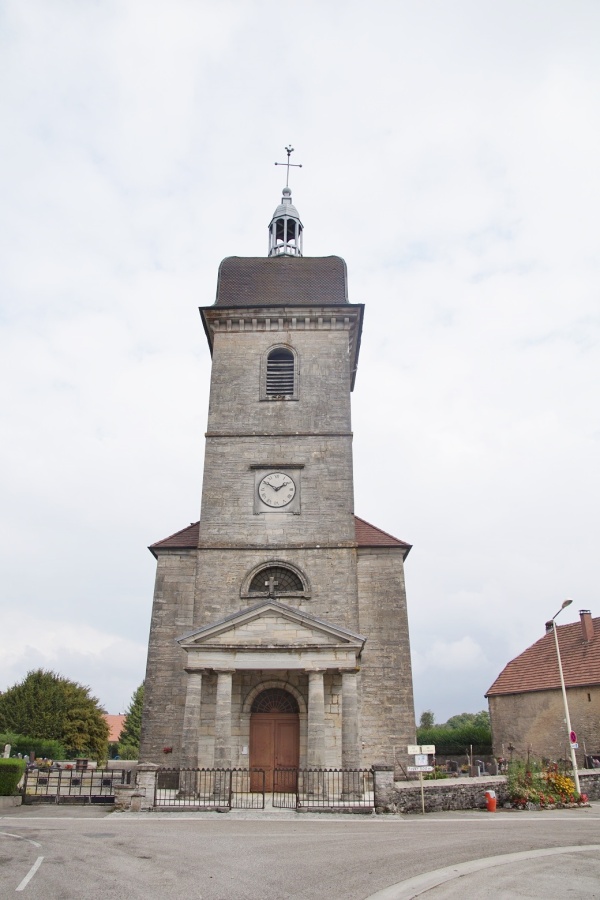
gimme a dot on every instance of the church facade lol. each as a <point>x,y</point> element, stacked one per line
<point>279,633</point>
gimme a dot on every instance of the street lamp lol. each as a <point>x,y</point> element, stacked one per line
<point>564,693</point>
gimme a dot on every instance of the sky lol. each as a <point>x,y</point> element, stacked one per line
<point>449,154</point>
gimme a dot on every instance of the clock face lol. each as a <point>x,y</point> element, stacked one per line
<point>277,489</point>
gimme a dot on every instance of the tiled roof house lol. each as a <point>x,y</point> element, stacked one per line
<point>525,700</point>
<point>115,726</point>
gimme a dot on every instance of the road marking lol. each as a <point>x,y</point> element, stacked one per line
<point>20,837</point>
<point>31,873</point>
<point>420,884</point>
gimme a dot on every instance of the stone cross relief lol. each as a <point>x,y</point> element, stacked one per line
<point>270,584</point>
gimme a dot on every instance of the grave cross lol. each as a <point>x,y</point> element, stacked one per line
<point>270,584</point>
<point>289,150</point>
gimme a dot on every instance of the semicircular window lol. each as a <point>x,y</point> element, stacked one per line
<point>275,700</point>
<point>276,580</point>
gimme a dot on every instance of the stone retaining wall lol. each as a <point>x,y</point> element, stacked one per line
<point>405,797</point>
<point>590,784</point>
<point>440,796</point>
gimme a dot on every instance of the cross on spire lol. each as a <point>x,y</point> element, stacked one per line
<point>270,584</point>
<point>289,150</point>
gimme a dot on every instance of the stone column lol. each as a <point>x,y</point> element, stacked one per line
<point>351,751</point>
<point>383,786</point>
<point>145,781</point>
<point>223,719</point>
<point>191,719</point>
<point>316,719</point>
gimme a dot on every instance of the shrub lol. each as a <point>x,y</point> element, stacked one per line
<point>438,772</point>
<point>128,751</point>
<point>11,771</point>
<point>42,747</point>
<point>454,741</point>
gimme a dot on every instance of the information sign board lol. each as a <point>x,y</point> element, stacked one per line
<point>413,749</point>
<point>419,768</point>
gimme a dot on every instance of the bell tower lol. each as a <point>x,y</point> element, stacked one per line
<point>279,586</point>
<point>285,228</point>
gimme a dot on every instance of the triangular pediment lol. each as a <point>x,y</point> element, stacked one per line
<point>271,625</point>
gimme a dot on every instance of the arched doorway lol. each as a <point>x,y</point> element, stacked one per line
<point>274,734</point>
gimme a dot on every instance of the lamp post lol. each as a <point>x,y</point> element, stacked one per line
<point>564,693</point>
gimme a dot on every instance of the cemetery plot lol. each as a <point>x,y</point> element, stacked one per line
<point>73,785</point>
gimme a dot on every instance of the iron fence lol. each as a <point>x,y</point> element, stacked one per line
<point>323,788</point>
<point>72,785</point>
<point>210,789</point>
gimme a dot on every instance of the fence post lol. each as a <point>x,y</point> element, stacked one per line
<point>145,782</point>
<point>383,786</point>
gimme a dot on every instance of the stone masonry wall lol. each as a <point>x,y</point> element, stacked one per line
<point>165,683</point>
<point>534,722</point>
<point>330,572</point>
<point>387,718</point>
<point>312,431</point>
<point>446,795</point>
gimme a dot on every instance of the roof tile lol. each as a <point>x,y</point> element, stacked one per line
<point>264,281</point>
<point>367,535</point>
<point>115,726</point>
<point>536,669</point>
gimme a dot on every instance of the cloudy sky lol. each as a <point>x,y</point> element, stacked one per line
<point>450,154</point>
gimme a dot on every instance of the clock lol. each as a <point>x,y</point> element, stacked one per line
<point>277,489</point>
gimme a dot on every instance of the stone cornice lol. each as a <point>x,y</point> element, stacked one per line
<point>286,318</point>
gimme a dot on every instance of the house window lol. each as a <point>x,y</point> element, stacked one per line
<point>280,375</point>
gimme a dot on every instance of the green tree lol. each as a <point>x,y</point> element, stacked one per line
<point>46,705</point>
<point>480,719</point>
<point>129,739</point>
<point>427,719</point>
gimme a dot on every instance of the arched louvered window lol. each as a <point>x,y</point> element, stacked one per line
<point>275,700</point>
<point>276,580</point>
<point>281,374</point>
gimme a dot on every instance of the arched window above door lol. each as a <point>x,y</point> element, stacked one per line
<point>275,700</point>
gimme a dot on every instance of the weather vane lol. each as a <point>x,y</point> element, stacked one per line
<point>289,150</point>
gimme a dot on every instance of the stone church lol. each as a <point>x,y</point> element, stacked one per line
<point>279,632</point>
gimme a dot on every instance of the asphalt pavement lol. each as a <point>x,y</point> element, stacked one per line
<point>68,853</point>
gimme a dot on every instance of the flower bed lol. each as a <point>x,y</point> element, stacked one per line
<point>534,786</point>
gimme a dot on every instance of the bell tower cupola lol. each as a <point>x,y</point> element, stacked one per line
<point>285,228</point>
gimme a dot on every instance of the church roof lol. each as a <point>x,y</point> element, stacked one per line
<point>277,280</point>
<point>367,535</point>
<point>536,669</point>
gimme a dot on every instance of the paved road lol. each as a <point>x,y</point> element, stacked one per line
<point>67,853</point>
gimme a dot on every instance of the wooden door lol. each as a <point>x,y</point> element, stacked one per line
<point>274,743</point>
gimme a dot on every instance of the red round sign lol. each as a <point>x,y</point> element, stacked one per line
<point>573,737</point>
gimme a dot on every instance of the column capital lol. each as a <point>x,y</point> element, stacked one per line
<point>315,671</point>
<point>225,671</point>
<point>191,671</point>
<point>352,670</point>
